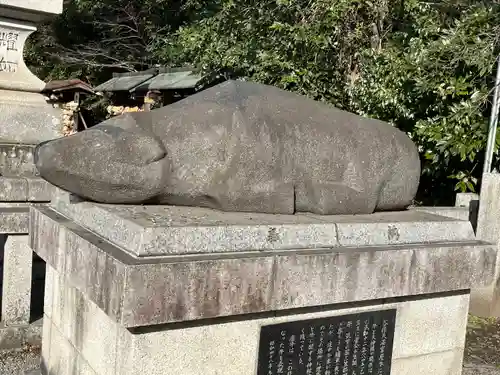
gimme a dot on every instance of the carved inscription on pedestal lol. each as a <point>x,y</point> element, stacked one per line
<point>10,50</point>
<point>358,344</point>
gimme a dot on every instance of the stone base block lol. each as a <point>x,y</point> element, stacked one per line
<point>21,281</point>
<point>459,213</point>
<point>27,118</point>
<point>466,199</point>
<point>80,339</point>
<point>15,337</point>
<point>16,286</point>
<point>485,301</point>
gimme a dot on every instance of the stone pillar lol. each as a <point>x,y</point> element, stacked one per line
<point>485,301</point>
<point>471,202</point>
<point>25,120</point>
<point>25,117</point>
<point>465,199</point>
<point>16,296</point>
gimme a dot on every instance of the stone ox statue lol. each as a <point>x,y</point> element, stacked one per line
<point>239,146</point>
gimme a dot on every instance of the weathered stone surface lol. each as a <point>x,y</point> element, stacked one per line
<point>138,291</point>
<point>25,117</point>
<point>465,199</point>
<point>13,189</point>
<point>22,189</point>
<point>397,228</point>
<point>485,301</point>
<point>460,213</point>
<point>16,282</point>
<point>16,337</point>
<point>446,363</point>
<point>382,272</point>
<point>64,358</point>
<point>232,344</point>
<point>39,190</point>
<point>16,265</point>
<point>155,230</point>
<point>16,160</point>
<point>14,220</point>
<point>239,146</point>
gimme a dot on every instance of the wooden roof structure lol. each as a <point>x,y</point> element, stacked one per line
<point>158,79</point>
<point>68,85</point>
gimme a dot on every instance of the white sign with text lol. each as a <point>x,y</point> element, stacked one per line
<point>10,50</point>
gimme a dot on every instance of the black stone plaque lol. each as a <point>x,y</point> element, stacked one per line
<point>358,344</point>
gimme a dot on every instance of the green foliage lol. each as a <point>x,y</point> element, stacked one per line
<point>92,39</point>
<point>425,67</point>
<point>300,45</point>
<point>433,79</point>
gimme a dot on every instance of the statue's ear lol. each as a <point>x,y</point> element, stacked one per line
<point>131,146</point>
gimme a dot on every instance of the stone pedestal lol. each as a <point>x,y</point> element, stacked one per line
<point>485,302</point>
<point>179,290</point>
<point>16,276</point>
<point>466,199</point>
<point>25,120</point>
<point>17,263</point>
<point>466,208</point>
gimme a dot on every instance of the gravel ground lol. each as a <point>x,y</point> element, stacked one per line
<point>480,370</point>
<point>482,347</point>
<point>20,361</point>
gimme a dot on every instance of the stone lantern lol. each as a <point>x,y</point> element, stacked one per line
<point>25,120</point>
<point>25,117</point>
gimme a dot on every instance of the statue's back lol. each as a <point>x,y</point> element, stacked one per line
<point>272,147</point>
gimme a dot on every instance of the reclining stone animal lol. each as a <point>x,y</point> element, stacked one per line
<point>239,146</point>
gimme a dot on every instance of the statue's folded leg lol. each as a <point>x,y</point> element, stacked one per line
<point>333,198</point>
<point>273,198</point>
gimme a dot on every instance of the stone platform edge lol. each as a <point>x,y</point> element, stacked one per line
<point>18,336</point>
<point>25,189</point>
<point>146,231</point>
<point>139,291</point>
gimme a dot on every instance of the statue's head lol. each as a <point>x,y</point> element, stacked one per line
<point>106,163</point>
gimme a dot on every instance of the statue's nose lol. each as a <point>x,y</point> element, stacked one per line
<point>36,152</point>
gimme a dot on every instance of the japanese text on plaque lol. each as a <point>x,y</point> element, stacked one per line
<point>358,344</point>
